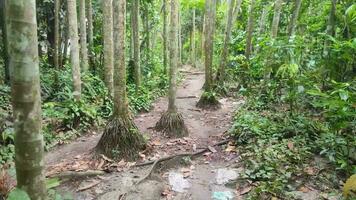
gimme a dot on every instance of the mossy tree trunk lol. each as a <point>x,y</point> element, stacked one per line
<point>121,138</point>
<point>74,47</point>
<point>83,37</point>
<point>164,34</point>
<point>108,44</point>
<point>26,97</point>
<point>295,15</point>
<point>250,27</point>
<point>136,40</point>
<point>276,18</point>
<point>89,13</point>
<point>172,122</point>
<point>225,51</point>
<point>4,51</point>
<point>208,99</point>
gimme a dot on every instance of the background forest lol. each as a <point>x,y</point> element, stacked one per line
<point>293,62</point>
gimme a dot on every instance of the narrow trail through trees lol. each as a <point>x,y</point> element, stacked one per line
<point>205,129</point>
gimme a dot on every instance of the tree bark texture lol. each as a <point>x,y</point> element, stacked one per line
<point>276,18</point>
<point>136,38</point>
<point>74,47</point>
<point>225,51</point>
<point>108,44</point>
<point>83,37</point>
<point>120,97</point>
<point>293,22</point>
<point>174,57</point>
<point>26,97</point>
<point>250,27</point>
<point>164,34</point>
<point>210,7</point>
<point>90,32</point>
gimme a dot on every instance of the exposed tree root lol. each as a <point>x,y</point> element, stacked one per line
<point>208,102</point>
<point>121,139</point>
<point>155,162</point>
<point>172,124</point>
<point>73,174</point>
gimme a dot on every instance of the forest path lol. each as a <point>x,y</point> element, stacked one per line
<point>198,179</point>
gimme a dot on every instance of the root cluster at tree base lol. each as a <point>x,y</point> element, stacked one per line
<point>121,139</point>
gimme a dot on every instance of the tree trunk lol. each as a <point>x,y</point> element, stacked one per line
<point>90,33</point>
<point>263,19</point>
<point>74,47</point>
<point>223,62</point>
<point>172,122</point>
<point>148,35</point>
<point>330,29</point>
<point>4,51</point>
<point>57,4</point>
<point>293,22</point>
<point>26,97</point>
<point>83,37</point>
<point>173,50</point>
<point>135,29</point>
<point>108,44</point>
<point>236,10</point>
<point>208,44</point>
<point>207,99</point>
<point>193,40</point>
<point>276,18</point>
<point>121,134</point>
<point>120,96</point>
<point>179,35</point>
<point>165,56</point>
<point>250,27</point>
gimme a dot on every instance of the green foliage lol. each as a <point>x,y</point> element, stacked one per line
<point>18,194</point>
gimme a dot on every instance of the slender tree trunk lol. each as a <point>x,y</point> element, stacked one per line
<point>136,38</point>
<point>203,37</point>
<point>148,35</point>
<point>83,37</point>
<point>108,44</point>
<point>57,4</point>
<point>293,22</point>
<point>173,50</point>
<point>172,121</point>
<point>4,51</point>
<point>223,62</point>
<point>164,34</point>
<point>26,97</point>
<point>276,18</point>
<point>74,47</point>
<point>263,19</point>
<point>179,35</point>
<point>330,29</point>
<point>50,33</point>
<point>250,27</point>
<point>56,49</point>
<point>236,10</point>
<point>120,96</point>
<point>193,40</point>
<point>120,134</point>
<point>90,33</point>
<point>208,44</point>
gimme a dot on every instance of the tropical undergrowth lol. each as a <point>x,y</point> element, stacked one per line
<point>297,127</point>
<point>64,118</point>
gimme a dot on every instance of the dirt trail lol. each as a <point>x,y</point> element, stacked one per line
<point>200,179</point>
